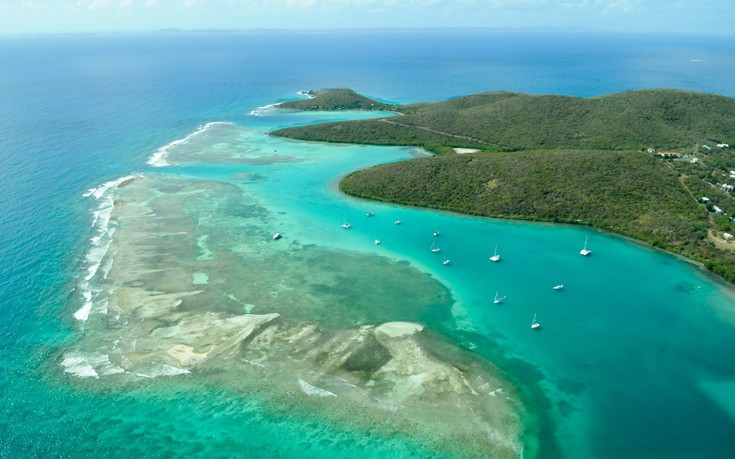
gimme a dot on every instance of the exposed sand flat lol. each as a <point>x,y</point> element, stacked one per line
<point>399,329</point>
<point>372,369</point>
<point>315,342</point>
<point>149,304</point>
<point>413,372</point>
<point>222,333</point>
<point>186,355</point>
<point>313,390</point>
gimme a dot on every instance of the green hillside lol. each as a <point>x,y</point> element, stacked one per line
<point>565,159</point>
<point>506,121</point>
<point>335,99</point>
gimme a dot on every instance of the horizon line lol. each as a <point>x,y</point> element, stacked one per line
<point>204,30</point>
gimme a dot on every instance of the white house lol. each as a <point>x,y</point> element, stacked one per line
<point>723,145</point>
<point>727,236</point>
<point>717,210</point>
<point>726,187</point>
<point>704,199</point>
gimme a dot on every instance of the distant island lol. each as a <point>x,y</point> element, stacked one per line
<point>653,165</point>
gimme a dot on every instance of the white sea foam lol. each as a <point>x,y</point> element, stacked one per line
<point>306,93</point>
<point>265,110</point>
<point>102,365</point>
<point>158,159</point>
<point>155,371</point>
<point>107,264</point>
<point>102,189</point>
<point>99,307</point>
<point>83,312</point>
<point>77,365</point>
<point>91,365</point>
<point>99,256</point>
<point>271,109</point>
<point>95,255</point>
<point>308,389</point>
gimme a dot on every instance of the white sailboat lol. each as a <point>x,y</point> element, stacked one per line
<point>535,325</point>
<point>498,299</point>
<point>584,251</point>
<point>435,247</point>
<point>345,225</point>
<point>496,256</point>
<point>446,261</point>
<point>436,231</point>
<point>558,287</point>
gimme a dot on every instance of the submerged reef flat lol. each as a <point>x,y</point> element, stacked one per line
<point>198,288</point>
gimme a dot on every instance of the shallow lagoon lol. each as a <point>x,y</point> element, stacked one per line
<point>193,285</point>
<point>72,121</point>
<point>631,342</point>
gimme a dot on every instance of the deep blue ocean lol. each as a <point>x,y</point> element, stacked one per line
<point>79,111</point>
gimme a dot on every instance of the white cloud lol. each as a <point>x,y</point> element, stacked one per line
<point>605,6</point>
<point>302,4</point>
<point>94,4</point>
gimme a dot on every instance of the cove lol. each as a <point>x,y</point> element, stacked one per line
<point>632,341</point>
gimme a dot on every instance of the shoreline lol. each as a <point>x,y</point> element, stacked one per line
<point>662,216</point>
<point>194,331</point>
<point>642,244</point>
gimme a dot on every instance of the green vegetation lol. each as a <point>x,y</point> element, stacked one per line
<point>506,121</point>
<point>564,159</point>
<point>335,99</point>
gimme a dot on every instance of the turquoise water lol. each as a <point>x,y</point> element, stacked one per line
<point>608,346</point>
<point>632,358</point>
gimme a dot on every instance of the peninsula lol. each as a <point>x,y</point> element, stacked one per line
<point>653,165</point>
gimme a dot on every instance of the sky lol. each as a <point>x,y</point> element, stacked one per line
<point>651,16</point>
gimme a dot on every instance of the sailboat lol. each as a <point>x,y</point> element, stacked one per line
<point>498,299</point>
<point>345,225</point>
<point>435,247</point>
<point>584,251</point>
<point>558,287</point>
<point>436,231</point>
<point>535,325</point>
<point>446,261</point>
<point>495,256</point>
